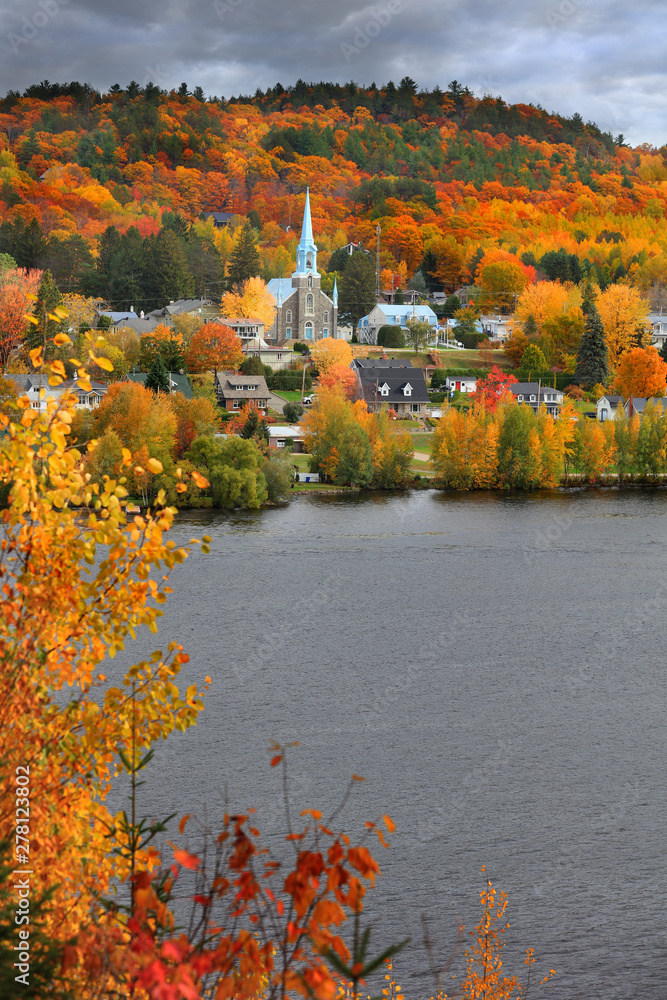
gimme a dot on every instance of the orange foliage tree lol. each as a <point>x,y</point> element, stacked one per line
<point>214,346</point>
<point>330,351</point>
<point>641,372</point>
<point>253,302</point>
<point>16,287</point>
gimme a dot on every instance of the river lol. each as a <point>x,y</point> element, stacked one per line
<point>493,665</point>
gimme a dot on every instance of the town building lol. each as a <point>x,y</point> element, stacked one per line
<point>608,407</point>
<point>303,311</point>
<point>269,354</point>
<point>178,382</point>
<point>39,392</point>
<point>397,387</point>
<point>637,404</point>
<point>233,391</point>
<point>461,383</point>
<point>384,314</point>
<point>528,393</point>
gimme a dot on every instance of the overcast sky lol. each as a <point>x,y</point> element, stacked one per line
<point>603,58</point>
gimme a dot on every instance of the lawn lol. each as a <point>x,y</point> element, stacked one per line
<point>291,395</point>
<point>422,442</point>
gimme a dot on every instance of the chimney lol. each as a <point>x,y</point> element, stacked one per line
<point>631,409</point>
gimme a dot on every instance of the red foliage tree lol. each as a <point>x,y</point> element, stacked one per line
<point>492,388</point>
<point>214,346</point>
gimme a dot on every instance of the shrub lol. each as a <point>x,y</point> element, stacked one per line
<point>292,412</point>
<point>391,336</point>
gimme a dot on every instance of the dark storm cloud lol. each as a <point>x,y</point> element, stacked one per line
<point>603,59</point>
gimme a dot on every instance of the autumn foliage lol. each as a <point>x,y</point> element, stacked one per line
<point>214,346</point>
<point>641,372</point>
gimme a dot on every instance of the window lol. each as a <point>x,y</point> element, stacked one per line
<point>310,303</point>
<point>326,315</point>
<point>288,316</point>
<point>310,281</point>
<point>519,398</point>
<point>533,398</point>
<point>384,390</point>
<point>407,390</point>
<point>279,356</point>
<point>415,407</point>
<point>280,443</point>
<point>309,263</point>
<point>236,404</point>
<point>82,399</point>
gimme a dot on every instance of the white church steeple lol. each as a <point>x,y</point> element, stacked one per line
<point>306,252</point>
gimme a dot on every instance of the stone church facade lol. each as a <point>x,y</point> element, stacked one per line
<point>303,311</point>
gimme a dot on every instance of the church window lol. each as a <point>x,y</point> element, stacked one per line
<point>309,331</point>
<point>310,281</point>
<point>288,316</point>
<point>310,303</point>
<point>309,260</point>
<point>326,315</point>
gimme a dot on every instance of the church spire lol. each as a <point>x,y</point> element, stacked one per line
<point>306,252</point>
<point>334,295</point>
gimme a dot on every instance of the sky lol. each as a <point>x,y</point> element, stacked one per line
<point>602,58</point>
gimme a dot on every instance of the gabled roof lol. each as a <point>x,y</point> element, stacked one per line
<point>639,403</point>
<point>613,401</point>
<point>227,382</point>
<point>373,363</point>
<point>118,317</point>
<point>178,382</point>
<point>396,381</point>
<point>281,286</point>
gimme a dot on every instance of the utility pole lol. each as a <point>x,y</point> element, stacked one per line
<point>378,230</point>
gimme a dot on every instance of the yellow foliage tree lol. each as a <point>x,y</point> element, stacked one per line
<point>254,301</point>
<point>329,353</point>
<point>623,313</point>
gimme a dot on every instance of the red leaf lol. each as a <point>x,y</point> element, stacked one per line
<point>186,859</point>
<point>276,760</point>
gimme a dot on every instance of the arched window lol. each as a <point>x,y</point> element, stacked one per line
<point>309,260</point>
<point>310,303</point>
<point>326,315</point>
<point>309,331</point>
<point>288,316</point>
<point>310,281</point>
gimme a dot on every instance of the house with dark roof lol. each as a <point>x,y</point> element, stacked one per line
<point>528,393</point>
<point>39,392</point>
<point>637,404</point>
<point>234,391</point>
<point>461,383</point>
<point>401,389</point>
<point>180,307</point>
<point>608,407</point>
<point>359,363</point>
<point>178,382</point>
<point>220,219</point>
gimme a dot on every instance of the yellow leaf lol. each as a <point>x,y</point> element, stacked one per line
<point>60,339</point>
<point>154,466</point>
<point>36,357</point>
<point>59,368</point>
<point>200,481</point>
<point>389,823</point>
<point>84,383</point>
<point>103,363</point>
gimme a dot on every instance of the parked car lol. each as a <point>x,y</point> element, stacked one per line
<point>308,400</point>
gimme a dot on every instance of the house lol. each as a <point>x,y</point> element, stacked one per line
<point>358,363</point>
<point>280,434</point>
<point>234,391</point>
<point>608,406</point>
<point>181,307</point>
<point>39,392</point>
<point>303,310</point>
<point>384,314</point>
<point>274,356</point>
<point>219,219</point>
<point>496,327</point>
<point>461,383</point>
<point>658,324</point>
<point>243,327</point>
<point>637,404</point>
<point>402,389</point>
<point>117,318</point>
<point>527,393</point>
<point>178,382</point>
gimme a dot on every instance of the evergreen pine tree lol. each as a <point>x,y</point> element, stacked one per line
<point>244,262</point>
<point>530,327</point>
<point>48,297</point>
<point>356,292</point>
<point>589,297</point>
<point>158,377</point>
<point>592,366</point>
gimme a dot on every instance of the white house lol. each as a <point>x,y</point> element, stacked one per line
<point>39,392</point>
<point>528,392</point>
<point>608,407</point>
<point>461,383</point>
<point>280,434</point>
<point>273,356</point>
<point>392,315</point>
<point>658,323</point>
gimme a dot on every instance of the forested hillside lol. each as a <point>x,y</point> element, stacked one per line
<point>447,176</point>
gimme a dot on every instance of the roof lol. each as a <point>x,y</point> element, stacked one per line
<point>285,430</point>
<point>220,218</point>
<point>180,306</point>
<point>118,317</point>
<point>227,382</point>
<point>639,403</point>
<point>281,287</point>
<point>613,401</point>
<point>178,382</point>
<point>140,324</point>
<point>400,314</point>
<point>371,363</point>
<point>531,388</point>
<point>395,380</point>
<point>25,382</point>
<point>241,321</point>
<point>460,378</point>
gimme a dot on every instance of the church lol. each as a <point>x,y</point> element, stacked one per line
<point>303,310</point>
